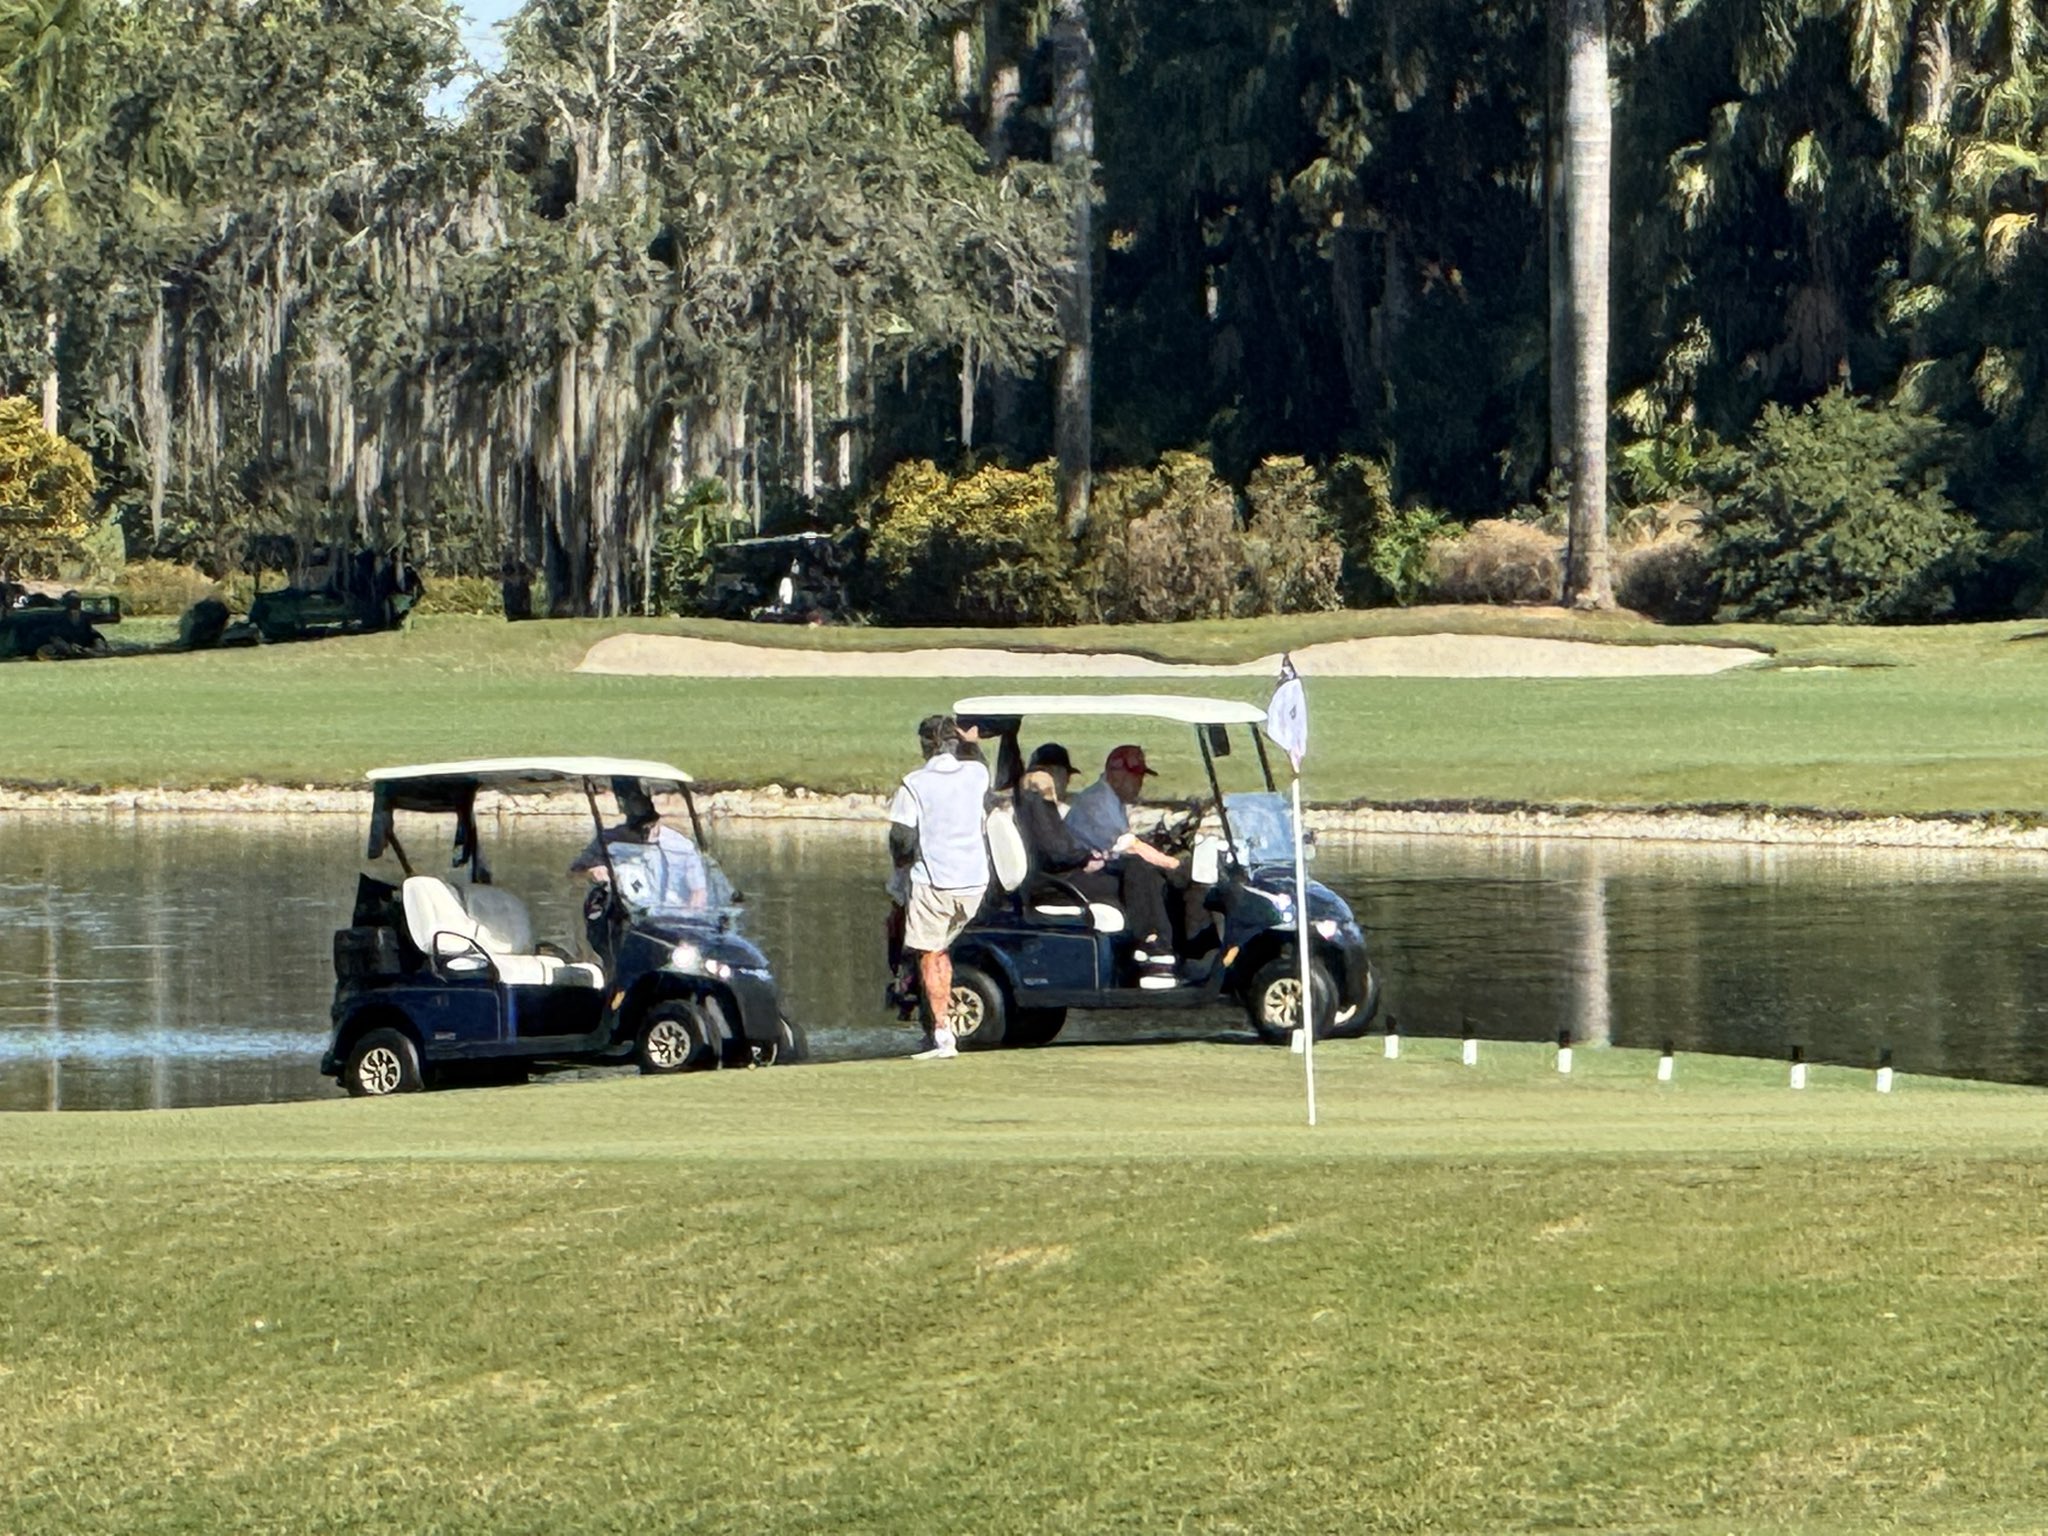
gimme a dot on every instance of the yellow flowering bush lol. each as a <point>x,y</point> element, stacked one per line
<point>46,487</point>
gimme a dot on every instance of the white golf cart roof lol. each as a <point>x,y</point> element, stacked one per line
<point>533,772</point>
<point>1153,706</point>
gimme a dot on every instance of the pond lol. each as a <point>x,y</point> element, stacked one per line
<point>175,961</point>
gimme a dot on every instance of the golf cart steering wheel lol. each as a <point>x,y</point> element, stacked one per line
<point>1175,835</point>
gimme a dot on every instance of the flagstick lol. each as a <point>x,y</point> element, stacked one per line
<point>1308,999</point>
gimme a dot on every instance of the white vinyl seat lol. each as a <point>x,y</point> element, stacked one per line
<point>1102,917</point>
<point>497,922</point>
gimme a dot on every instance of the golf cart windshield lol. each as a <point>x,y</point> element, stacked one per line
<point>670,877</point>
<point>1261,828</point>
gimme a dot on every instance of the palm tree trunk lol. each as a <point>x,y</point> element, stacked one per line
<point>1073,149</point>
<point>1589,140</point>
<point>1555,253</point>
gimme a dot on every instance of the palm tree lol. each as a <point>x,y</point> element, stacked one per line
<point>1588,159</point>
<point>1073,150</point>
<point>45,75</point>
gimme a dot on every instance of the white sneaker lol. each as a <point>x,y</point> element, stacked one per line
<point>942,1048</point>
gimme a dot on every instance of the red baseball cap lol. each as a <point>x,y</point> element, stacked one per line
<point>1130,759</point>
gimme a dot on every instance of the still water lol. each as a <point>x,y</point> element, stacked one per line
<point>162,961</point>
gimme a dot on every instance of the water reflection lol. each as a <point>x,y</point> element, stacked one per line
<point>167,961</point>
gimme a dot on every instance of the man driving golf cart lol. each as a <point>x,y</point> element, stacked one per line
<point>440,977</point>
<point>1042,945</point>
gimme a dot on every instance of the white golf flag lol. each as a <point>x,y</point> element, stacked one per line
<point>1287,715</point>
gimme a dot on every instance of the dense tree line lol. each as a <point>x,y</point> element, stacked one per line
<point>1517,252</point>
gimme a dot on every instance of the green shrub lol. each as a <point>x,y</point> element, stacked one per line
<point>1163,544</point>
<point>1292,563</point>
<point>1839,512</point>
<point>688,530</point>
<point>461,594</point>
<point>990,548</point>
<point>161,589</point>
<point>1397,560</point>
<point>1385,547</point>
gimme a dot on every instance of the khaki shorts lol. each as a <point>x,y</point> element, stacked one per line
<point>933,919</point>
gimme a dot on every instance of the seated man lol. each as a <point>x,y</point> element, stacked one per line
<point>659,869</point>
<point>1097,872</point>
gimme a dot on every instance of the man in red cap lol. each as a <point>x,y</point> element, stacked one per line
<point>1100,817</point>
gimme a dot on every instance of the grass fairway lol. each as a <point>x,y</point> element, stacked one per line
<point>1105,1289</point>
<point>1910,721</point>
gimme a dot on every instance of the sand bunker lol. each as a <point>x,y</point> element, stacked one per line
<point>1381,656</point>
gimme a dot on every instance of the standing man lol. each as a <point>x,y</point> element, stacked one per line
<point>935,832</point>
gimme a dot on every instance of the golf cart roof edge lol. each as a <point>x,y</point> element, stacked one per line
<point>533,772</point>
<point>1183,709</point>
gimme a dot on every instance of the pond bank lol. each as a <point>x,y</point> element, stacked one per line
<point>1499,821</point>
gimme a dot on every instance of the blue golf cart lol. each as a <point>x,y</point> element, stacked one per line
<point>1039,947</point>
<point>440,978</point>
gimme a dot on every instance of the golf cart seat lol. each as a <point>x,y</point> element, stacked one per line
<point>495,921</point>
<point>1050,897</point>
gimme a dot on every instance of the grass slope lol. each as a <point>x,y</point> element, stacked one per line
<point>1919,721</point>
<point>1078,1290</point>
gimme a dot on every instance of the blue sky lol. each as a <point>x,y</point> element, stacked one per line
<point>480,32</point>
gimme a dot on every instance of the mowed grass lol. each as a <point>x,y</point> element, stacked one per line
<point>1100,1289</point>
<point>1891,721</point>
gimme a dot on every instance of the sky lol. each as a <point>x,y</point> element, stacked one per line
<point>480,28</point>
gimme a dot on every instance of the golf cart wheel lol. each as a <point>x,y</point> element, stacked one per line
<point>978,1012</point>
<point>678,1037</point>
<point>1036,1026</point>
<point>385,1061</point>
<point>1274,1001</point>
<point>789,1046</point>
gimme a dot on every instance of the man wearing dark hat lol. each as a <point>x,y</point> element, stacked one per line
<point>659,868</point>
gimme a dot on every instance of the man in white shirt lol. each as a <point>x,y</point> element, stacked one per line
<point>936,833</point>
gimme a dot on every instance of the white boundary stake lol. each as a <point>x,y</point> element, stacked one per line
<point>1884,1071</point>
<point>1564,1052</point>
<point>1393,1038</point>
<point>1308,991</point>
<point>1667,1063</point>
<point>1471,1056</point>
<point>1798,1067</point>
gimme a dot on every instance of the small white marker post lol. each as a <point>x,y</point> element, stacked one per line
<point>1471,1051</point>
<point>1294,1043</point>
<point>1667,1063</point>
<point>1564,1052</point>
<point>1884,1071</point>
<point>1393,1038</point>
<point>1798,1067</point>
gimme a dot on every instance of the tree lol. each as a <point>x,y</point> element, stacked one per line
<point>48,80</point>
<point>46,489</point>
<point>1589,143</point>
<point>1073,151</point>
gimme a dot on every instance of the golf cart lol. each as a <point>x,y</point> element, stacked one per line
<point>439,978</point>
<point>1039,947</point>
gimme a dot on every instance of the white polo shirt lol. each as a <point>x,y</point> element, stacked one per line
<point>944,801</point>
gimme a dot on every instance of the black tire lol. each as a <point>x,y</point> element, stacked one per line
<point>383,1062</point>
<point>1036,1026</point>
<point>679,1036</point>
<point>979,1013</point>
<point>1273,1002</point>
<point>790,1046</point>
